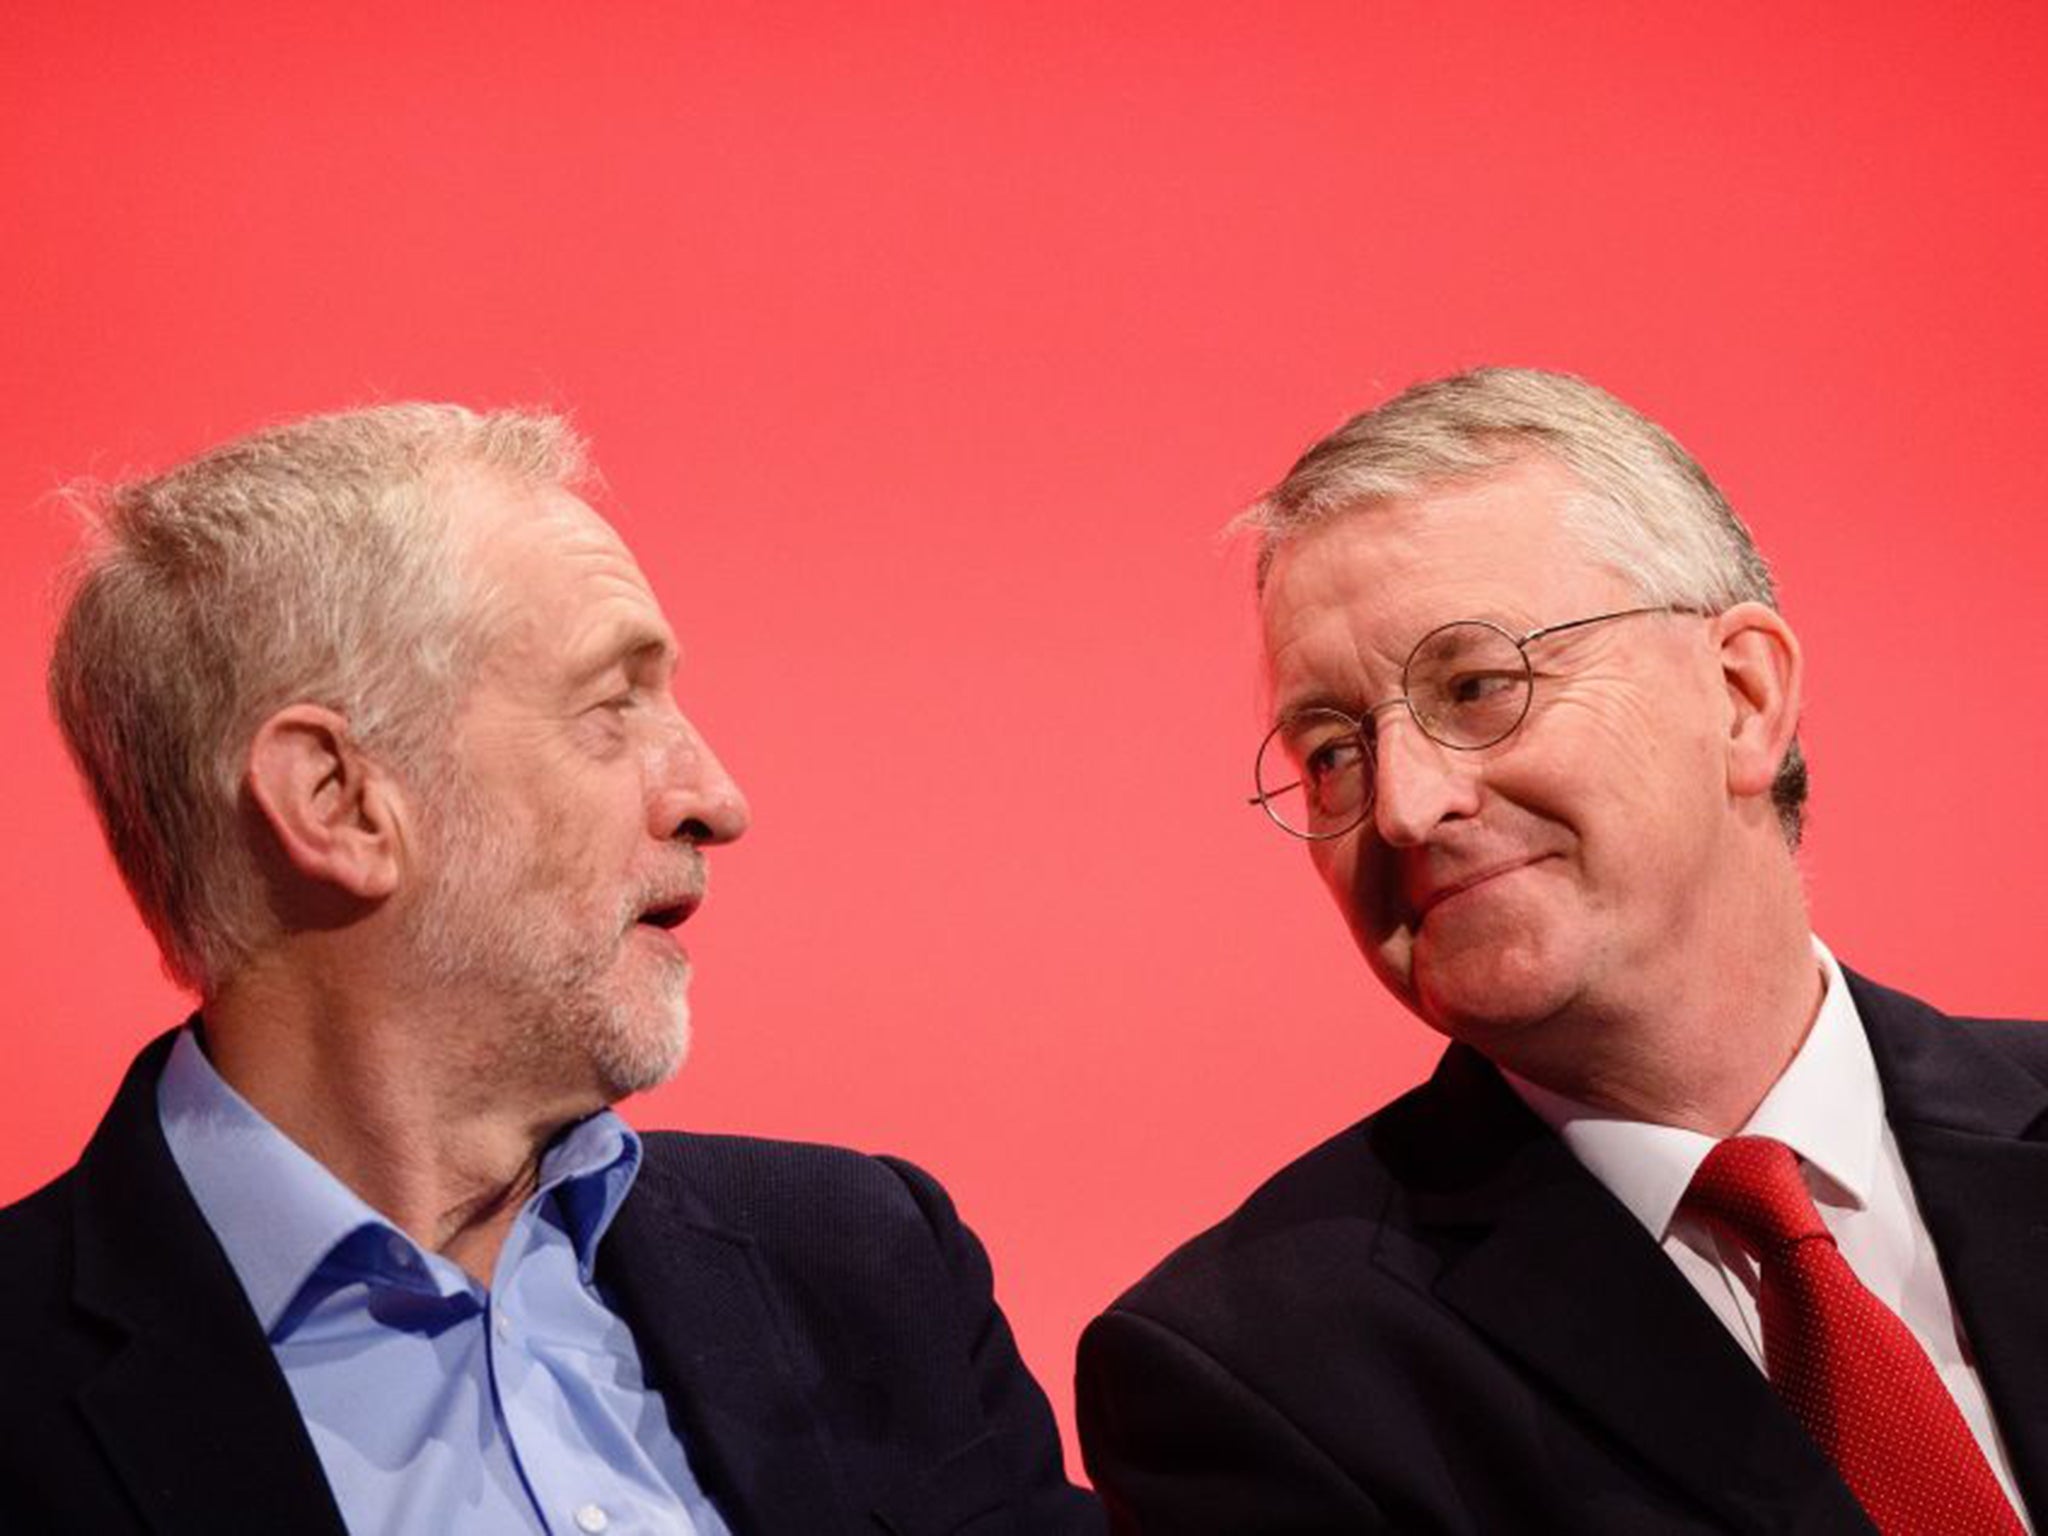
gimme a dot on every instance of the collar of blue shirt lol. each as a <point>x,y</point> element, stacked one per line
<point>291,1228</point>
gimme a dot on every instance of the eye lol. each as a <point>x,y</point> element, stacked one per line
<point>609,719</point>
<point>1328,757</point>
<point>1462,689</point>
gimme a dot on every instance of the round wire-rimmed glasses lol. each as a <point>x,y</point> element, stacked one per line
<point>1466,684</point>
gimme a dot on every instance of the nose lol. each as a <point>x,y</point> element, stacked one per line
<point>1418,784</point>
<point>694,798</point>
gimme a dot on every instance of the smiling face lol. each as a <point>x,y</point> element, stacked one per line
<point>1560,874</point>
<point>561,845</point>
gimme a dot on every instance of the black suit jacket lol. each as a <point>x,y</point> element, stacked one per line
<point>820,1324</point>
<point>1439,1321</point>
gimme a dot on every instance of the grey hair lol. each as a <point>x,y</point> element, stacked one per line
<point>1648,511</point>
<point>310,562</point>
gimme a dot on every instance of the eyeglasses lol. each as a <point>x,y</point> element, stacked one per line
<point>1467,684</point>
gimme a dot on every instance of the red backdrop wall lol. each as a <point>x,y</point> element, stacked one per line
<point>925,348</point>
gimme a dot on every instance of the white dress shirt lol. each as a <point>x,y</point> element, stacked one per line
<point>1828,1106</point>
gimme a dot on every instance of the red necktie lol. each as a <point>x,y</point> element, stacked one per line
<point>1841,1360</point>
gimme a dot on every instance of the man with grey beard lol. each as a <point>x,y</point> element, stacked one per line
<point>377,714</point>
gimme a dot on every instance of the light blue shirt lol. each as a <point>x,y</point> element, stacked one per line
<point>438,1406</point>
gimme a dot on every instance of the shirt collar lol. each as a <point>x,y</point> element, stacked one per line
<point>1827,1105</point>
<point>590,1168</point>
<point>281,1217</point>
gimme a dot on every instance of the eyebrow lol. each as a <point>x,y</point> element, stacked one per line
<point>628,646</point>
<point>1346,704</point>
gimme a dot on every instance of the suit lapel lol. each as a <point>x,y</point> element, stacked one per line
<point>698,1306</point>
<point>1969,1120</point>
<point>190,1386</point>
<point>1537,1255</point>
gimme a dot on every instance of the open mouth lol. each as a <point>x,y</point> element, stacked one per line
<point>668,918</point>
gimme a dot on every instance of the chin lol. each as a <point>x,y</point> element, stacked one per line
<point>1480,994</point>
<point>641,1044</point>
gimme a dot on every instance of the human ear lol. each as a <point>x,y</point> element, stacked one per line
<point>1761,671</point>
<point>330,807</point>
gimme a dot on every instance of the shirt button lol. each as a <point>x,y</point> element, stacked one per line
<point>399,1250</point>
<point>592,1518</point>
<point>501,1325</point>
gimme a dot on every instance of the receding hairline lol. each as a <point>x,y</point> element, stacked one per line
<point>1275,529</point>
<point>486,517</point>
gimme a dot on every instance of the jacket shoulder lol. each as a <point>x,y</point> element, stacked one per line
<point>1931,1056</point>
<point>35,1255</point>
<point>884,1305</point>
<point>2021,1042</point>
<point>851,1220</point>
<point>1352,1216</point>
<point>756,1183</point>
<point>1340,1189</point>
<point>2023,1035</point>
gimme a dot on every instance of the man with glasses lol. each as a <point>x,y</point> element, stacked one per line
<point>1693,1229</point>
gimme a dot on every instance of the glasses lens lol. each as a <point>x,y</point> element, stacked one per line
<point>1314,774</point>
<point>1468,684</point>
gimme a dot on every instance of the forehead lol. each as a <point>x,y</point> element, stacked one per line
<point>556,579</point>
<point>1364,586</point>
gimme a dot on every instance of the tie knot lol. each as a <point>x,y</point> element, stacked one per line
<point>1749,1187</point>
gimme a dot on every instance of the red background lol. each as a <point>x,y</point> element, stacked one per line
<point>925,348</point>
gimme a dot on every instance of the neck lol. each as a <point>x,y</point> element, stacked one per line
<point>401,1102</point>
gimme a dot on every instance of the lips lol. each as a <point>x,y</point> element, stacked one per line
<point>669,905</point>
<point>668,917</point>
<point>1427,894</point>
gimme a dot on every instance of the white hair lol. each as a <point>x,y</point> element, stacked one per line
<point>1647,510</point>
<point>309,562</point>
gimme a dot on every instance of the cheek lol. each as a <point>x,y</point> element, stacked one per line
<point>1599,753</point>
<point>1335,864</point>
<point>1364,884</point>
<point>1347,873</point>
<point>1642,811</point>
<point>1581,741</point>
<point>583,837</point>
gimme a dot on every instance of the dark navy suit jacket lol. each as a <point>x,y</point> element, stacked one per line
<point>819,1323</point>
<point>1439,1321</point>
